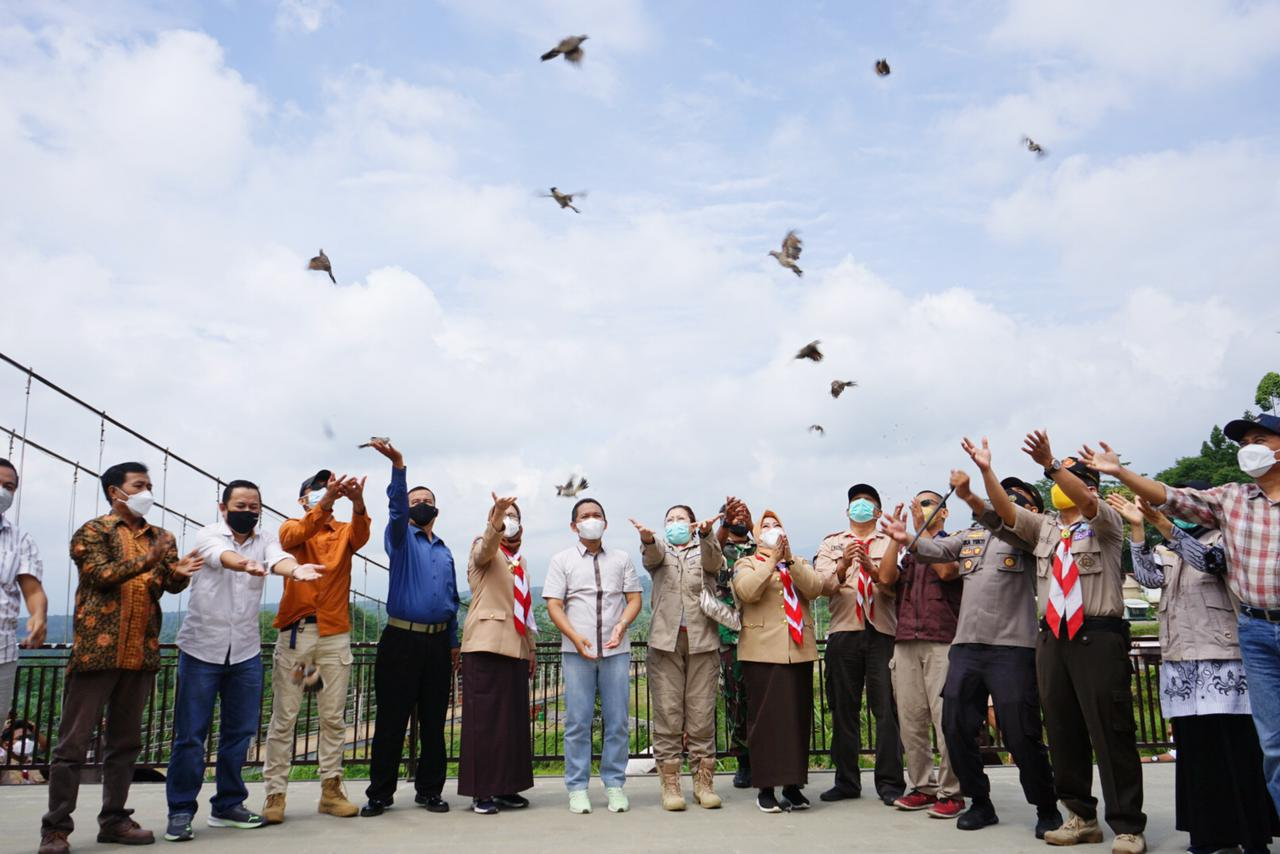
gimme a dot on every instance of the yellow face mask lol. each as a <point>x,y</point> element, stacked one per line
<point>1060,499</point>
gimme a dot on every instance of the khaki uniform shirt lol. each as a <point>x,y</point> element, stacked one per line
<point>843,597</point>
<point>680,574</point>
<point>491,625</point>
<point>765,633</point>
<point>1095,545</point>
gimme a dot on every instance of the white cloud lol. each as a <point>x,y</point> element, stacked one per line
<point>305,16</point>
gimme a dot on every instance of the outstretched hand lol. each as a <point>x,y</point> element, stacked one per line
<point>980,454</point>
<point>704,527</point>
<point>646,534</point>
<point>895,527</point>
<point>1036,446</point>
<point>1105,461</point>
<point>1128,511</point>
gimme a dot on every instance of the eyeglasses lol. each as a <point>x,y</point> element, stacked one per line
<point>927,502</point>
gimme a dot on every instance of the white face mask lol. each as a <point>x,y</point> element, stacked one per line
<point>313,498</point>
<point>6,500</point>
<point>24,749</point>
<point>510,526</point>
<point>591,529</point>
<point>769,537</point>
<point>1256,460</point>
<point>140,503</point>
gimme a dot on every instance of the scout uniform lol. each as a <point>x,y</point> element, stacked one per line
<point>1082,659</point>
<point>860,643</point>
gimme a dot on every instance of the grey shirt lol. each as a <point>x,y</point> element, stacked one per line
<point>999,602</point>
<point>593,589</point>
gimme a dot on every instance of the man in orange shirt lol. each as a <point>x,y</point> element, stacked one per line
<point>315,631</point>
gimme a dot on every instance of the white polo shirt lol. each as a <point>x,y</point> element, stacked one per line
<point>593,588</point>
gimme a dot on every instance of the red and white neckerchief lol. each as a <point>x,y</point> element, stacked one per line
<point>1066,602</point>
<point>864,591</point>
<point>520,590</point>
<point>791,605</point>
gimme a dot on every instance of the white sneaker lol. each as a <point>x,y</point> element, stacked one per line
<point>579,803</point>
<point>617,800</point>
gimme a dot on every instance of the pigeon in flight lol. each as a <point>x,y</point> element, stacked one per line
<point>570,48</point>
<point>882,67</point>
<point>321,262</point>
<point>564,200</point>
<point>1034,147</point>
<point>572,487</point>
<point>838,386</point>
<point>811,352</point>
<point>791,246</point>
<point>373,440</point>
<point>308,676</point>
<point>817,428</point>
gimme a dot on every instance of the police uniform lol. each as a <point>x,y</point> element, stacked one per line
<point>1085,681</point>
<point>857,655</point>
<point>993,655</point>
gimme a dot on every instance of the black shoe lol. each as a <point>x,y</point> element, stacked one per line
<point>375,807</point>
<point>742,779</point>
<point>890,799</point>
<point>795,797</point>
<point>1047,819</point>
<point>433,803</point>
<point>768,802</point>
<point>482,806</point>
<point>510,802</point>
<point>977,816</point>
<point>835,793</point>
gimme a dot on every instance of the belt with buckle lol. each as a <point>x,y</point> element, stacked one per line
<point>409,626</point>
<point>1270,615</point>
<point>295,627</point>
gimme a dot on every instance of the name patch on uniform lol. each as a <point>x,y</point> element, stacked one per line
<point>1084,533</point>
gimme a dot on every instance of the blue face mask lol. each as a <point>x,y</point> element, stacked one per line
<point>678,533</point>
<point>1184,524</point>
<point>862,510</point>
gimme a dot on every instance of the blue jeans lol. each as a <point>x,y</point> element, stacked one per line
<point>200,684</point>
<point>1260,648</point>
<point>583,679</point>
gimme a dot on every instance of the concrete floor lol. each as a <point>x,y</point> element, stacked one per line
<point>863,825</point>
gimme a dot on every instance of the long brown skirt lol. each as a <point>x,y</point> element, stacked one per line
<point>496,757</point>
<point>779,718</point>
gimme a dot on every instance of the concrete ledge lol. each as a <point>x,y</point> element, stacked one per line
<point>547,826</point>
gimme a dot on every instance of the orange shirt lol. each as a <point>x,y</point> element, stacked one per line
<point>318,538</point>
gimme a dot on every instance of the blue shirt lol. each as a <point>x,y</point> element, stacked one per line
<point>422,589</point>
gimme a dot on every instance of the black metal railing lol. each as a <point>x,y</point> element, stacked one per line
<point>38,699</point>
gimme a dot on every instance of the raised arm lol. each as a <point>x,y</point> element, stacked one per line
<point>1000,503</point>
<point>1106,461</point>
<point>709,545</point>
<point>888,572</point>
<point>1036,446</point>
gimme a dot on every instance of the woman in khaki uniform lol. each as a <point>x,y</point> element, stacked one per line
<point>684,652</point>
<point>498,657</point>
<point>777,649</point>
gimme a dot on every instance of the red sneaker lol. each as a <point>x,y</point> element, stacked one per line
<point>947,808</point>
<point>914,801</point>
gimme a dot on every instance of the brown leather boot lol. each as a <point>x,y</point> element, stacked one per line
<point>669,774</point>
<point>126,831</point>
<point>273,809</point>
<point>704,781</point>
<point>333,801</point>
<point>54,842</point>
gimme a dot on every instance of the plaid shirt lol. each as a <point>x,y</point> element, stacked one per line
<point>1250,525</point>
<point>18,556</point>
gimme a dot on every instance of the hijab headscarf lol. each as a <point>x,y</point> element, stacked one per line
<point>761,549</point>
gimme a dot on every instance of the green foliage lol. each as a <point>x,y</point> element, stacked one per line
<point>1215,463</point>
<point>1268,394</point>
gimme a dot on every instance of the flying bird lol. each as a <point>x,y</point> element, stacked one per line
<point>564,200</point>
<point>572,487</point>
<point>570,48</point>
<point>791,247</point>
<point>372,440</point>
<point>817,428</point>
<point>882,67</point>
<point>811,352</point>
<point>321,262</point>
<point>838,386</point>
<point>308,676</point>
<point>1034,147</point>
<point>328,430</point>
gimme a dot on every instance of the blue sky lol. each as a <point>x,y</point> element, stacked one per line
<point>170,167</point>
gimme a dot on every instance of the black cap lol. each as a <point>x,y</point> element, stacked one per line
<point>1082,471</point>
<point>317,480</point>
<point>1236,429</point>
<point>1199,485</point>
<point>1018,483</point>
<point>865,489</point>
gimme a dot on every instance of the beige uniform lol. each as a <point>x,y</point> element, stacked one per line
<point>1095,545</point>
<point>765,636</point>
<point>842,598</point>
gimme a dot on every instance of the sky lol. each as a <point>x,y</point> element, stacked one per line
<point>169,168</point>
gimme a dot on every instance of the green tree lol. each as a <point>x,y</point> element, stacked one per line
<point>1215,463</point>
<point>1268,394</point>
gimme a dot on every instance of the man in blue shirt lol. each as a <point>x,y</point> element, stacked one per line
<point>418,652</point>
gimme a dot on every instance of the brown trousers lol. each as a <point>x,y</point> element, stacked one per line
<point>123,694</point>
<point>684,686</point>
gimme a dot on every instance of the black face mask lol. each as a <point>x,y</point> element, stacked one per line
<point>738,530</point>
<point>242,521</point>
<point>422,514</point>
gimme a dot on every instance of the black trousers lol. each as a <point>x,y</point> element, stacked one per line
<point>1220,793</point>
<point>1088,710</point>
<point>413,670</point>
<point>854,660</point>
<point>1006,674</point>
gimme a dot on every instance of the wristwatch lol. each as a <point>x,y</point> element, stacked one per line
<point>1052,468</point>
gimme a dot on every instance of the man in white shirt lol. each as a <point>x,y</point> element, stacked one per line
<point>593,594</point>
<point>219,657</point>
<point>20,574</point>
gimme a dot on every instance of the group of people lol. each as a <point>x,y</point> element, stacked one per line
<point>1021,611</point>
